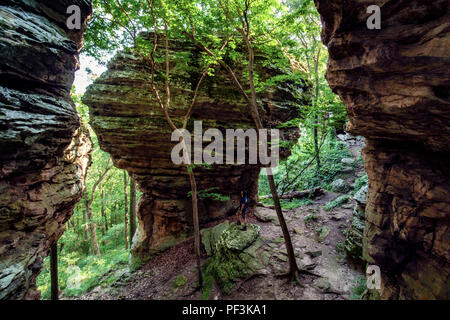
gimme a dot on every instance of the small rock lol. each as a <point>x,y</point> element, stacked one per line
<point>338,216</point>
<point>324,231</point>
<point>314,254</point>
<point>348,161</point>
<point>266,215</point>
<point>322,284</point>
<point>282,258</point>
<point>340,186</point>
<point>347,206</point>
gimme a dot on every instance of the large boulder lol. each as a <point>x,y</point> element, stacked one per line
<point>131,127</point>
<point>395,84</point>
<point>237,254</point>
<point>45,150</point>
<point>340,186</point>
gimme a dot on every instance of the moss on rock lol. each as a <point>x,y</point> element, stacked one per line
<point>236,254</point>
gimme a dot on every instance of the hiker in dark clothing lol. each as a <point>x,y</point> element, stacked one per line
<point>242,210</point>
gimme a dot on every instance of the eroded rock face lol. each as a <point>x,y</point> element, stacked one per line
<point>131,127</point>
<point>45,151</point>
<point>395,84</point>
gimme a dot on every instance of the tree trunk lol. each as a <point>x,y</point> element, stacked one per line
<point>316,101</point>
<point>86,226</point>
<point>125,191</point>
<point>105,220</point>
<point>293,268</point>
<point>54,271</point>
<point>132,210</point>
<point>316,142</point>
<point>93,230</point>
<point>253,108</point>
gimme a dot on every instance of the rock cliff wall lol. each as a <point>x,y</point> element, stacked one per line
<point>45,151</point>
<point>131,127</point>
<point>395,84</point>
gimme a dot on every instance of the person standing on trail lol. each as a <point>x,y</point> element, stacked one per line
<point>241,213</point>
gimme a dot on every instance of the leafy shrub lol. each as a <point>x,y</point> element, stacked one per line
<point>295,203</point>
<point>339,201</point>
<point>361,182</point>
<point>310,217</point>
<point>179,281</point>
<point>302,154</point>
<point>359,288</point>
<point>114,237</point>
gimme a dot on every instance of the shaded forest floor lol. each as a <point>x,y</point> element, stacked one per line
<point>160,278</point>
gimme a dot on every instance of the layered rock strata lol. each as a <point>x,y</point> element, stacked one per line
<point>131,127</point>
<point>45,151</point>
<point>395,84</point>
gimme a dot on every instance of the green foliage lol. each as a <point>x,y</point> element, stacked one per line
<point>339,201</point>
<point>75,248</point>
<point>89,271</point>
<point>332,152</point>
<point>361,182</point>
<point>113,238</point>
<point>295,203</point>
<point>208,194</point>
<point>359,288</point>
<point>208,282</point>
<point>310,218</point>
<point>340,248</point>
<point>179,281</point>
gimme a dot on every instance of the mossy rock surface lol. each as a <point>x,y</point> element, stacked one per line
<point>237,255</point>
<point>212,235</point>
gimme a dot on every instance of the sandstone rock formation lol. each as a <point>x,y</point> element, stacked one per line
<point>131,127</point>
<point>45,152</point>
<point>233,254</point>
<point>395,84</point>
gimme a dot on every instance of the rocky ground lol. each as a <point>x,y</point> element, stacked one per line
<point>316,234</point>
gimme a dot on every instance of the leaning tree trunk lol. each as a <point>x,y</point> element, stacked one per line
<point>316,102</point>
<point>125,191</point>
<point>293,268</point>
<point>54,271</point>
<point>132,210</point>
<point>252,103</point>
